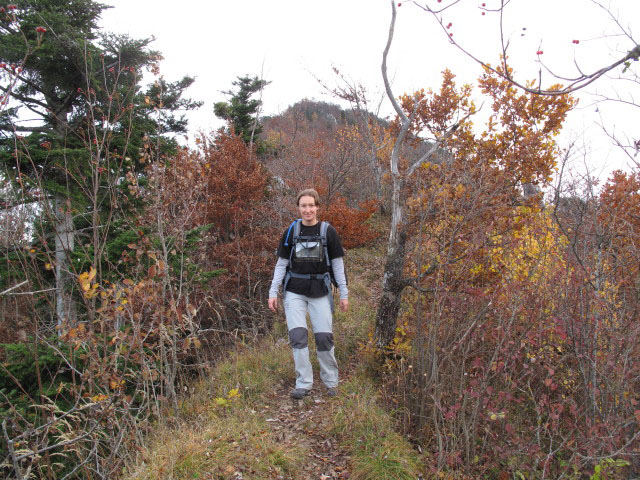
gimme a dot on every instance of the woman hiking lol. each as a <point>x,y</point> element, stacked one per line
<point>310,257</point>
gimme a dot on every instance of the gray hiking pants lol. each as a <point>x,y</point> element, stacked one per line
<point>295,308</point>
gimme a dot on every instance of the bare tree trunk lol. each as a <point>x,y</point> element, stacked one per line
<point>393,280</point>
<point>64,243</point>
<point>392,286</point>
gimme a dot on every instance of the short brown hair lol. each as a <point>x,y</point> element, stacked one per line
<point>309,192</point>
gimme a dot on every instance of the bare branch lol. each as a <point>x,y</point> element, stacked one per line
<point>387,85</point>
<point>434,148</point>
<point>33,293</point>
<point>575,83</point>
<point>14,287</point>
<point>22,98</point>
<point>14,459</point>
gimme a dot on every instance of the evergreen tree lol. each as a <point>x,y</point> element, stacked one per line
<point>242,111</point>
<point>77,126</point>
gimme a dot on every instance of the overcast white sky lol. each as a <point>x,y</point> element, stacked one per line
<point>291,41</point>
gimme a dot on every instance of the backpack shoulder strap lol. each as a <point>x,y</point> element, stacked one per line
<point>296,232</point>
<point>297,226</point>
<point>324,226</point>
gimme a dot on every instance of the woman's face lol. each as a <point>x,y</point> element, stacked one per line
<point>308,210</point>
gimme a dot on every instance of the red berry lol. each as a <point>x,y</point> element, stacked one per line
<point>2,10</point>
<point>483,13</point>
<point>451,34</point>
<point>539,52</point>
<point>12,7</point>
<point>41,29</point>
<point>484,4</point>
<point>576,41</point>
<point>3,65</point>
<point>449,26</point>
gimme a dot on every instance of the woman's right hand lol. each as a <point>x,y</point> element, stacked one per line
<point>273,304</point>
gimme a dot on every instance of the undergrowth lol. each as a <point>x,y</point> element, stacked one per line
<point>219,431</point>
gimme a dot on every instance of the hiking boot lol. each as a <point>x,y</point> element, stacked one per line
<point>299,393</point>
<point>331,392</point>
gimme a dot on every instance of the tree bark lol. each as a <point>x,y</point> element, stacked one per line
<point>64,243</point>
<point>393,284</point>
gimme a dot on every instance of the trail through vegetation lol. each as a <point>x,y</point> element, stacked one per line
<point>241,422</point>
<point>306,424</point>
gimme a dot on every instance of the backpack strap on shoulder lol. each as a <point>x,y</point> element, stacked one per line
<point>324,226</point>
<point>296,233</point>
<point>288,235</point>
<point>296,229</point>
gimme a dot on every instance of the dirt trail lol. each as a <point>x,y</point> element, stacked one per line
<point>306,423</point>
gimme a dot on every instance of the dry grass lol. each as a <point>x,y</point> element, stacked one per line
<point>377,450</point>
<point>225,446</point>
<point>218,432</point>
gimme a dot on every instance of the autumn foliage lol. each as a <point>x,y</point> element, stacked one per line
<point>191,277</point>
<point>513,357</point>
<point>214,200</point>
<point>351,222</point>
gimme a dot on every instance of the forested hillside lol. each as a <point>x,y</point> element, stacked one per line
<point>494,328</point>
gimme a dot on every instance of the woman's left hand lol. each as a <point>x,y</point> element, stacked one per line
<point>344,304</point>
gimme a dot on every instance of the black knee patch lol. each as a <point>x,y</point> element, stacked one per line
<point>324,341</point>
<point>298,337</point>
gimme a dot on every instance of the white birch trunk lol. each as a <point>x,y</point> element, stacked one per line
<point>65,311</point>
